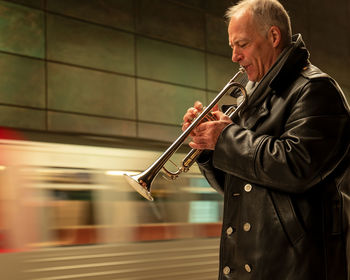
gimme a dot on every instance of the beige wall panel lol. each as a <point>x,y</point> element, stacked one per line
<point>71,123</point>
<point>21,30</point>
<point>159,132</point>
<point>22,118</point>
<point>89,45</point>
<point>164,103</point>
<point>118,14</point>
<point>22,81</point>
<point>91,92</point>
<point>220,70</point>
<point>170,63</point>
<point>216,35</point>
<point>171,22</point>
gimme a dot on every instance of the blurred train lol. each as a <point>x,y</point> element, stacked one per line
<point>66,212</point>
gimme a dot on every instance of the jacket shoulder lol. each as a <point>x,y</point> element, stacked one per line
<point>316,78</point>
<point>312,80</point>
<point>309,75</point>
<point>311,72</point>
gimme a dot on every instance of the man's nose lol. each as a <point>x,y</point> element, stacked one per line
<point>236,55</point>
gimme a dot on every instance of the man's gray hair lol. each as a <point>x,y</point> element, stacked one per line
<point>266,13</point>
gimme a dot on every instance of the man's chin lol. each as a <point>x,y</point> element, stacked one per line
<point>251,77</point>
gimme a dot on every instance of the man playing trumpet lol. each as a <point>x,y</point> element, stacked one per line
<point>282,162</point>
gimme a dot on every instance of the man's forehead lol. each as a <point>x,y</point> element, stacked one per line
<point>241,28</point>
<point>240,22</point>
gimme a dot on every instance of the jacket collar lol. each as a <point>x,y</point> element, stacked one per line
<point>294,58</point>
<point>283,72</point>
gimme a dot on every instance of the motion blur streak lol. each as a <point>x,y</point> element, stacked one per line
<point>54,197</point>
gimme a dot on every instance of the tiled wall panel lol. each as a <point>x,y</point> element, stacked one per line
<point>158,132</point>
<point>132,68</point>
<point>81,124</point>
<point>166,104</point>
<point>21,30</point>
<point>171,22</point>
<point>90,92</point>
<point>216,35</point>
<point>170,63</point>
<point>192,3</point>
<point>220,71</point>
<point>325,28</point>
<point>118,14</point>
<point>330,47</point>
<point>85,44</point>
<point>22,81</point>
<point>218,8</point>
<point>22,118</point>
<point>30,3</point>
<point>300,18</point>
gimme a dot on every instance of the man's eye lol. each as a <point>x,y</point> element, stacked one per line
<point>242,45</point>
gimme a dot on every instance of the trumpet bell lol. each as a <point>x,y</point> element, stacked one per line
<point>134,182</point>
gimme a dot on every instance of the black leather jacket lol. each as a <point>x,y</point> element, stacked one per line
<point>277,167</point>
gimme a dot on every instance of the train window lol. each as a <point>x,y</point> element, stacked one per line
<point>204,212</point>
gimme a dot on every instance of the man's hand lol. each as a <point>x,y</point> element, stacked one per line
<point>206,134</point>
<point>191,114</point>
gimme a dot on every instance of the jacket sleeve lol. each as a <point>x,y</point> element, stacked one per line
<point>215,177</point>
<point>316,136</point>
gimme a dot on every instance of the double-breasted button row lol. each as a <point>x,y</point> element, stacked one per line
<point>246,227</point>
<point>227,270</point>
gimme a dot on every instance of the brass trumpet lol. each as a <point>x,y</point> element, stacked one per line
<point>142,182</point>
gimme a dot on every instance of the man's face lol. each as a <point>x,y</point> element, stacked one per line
<point>254,51</point>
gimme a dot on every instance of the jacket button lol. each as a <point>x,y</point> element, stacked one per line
<point>229,230</point>
<point>236,194</point>
<point>226,270</point>
<point>247,268</point>
<point>248,187</point>
<point>247,227</point>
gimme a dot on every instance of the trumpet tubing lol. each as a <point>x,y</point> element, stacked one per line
<point>142,182</point>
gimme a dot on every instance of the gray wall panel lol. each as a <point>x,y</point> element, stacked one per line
<point>81,61</point>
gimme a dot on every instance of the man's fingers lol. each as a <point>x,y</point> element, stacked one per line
<point>191,114</point>
<point>196,146</point>
<point>198,105</point>
<point>215,108</point>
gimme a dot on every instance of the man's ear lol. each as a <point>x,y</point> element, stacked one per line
<point>275,36</point>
